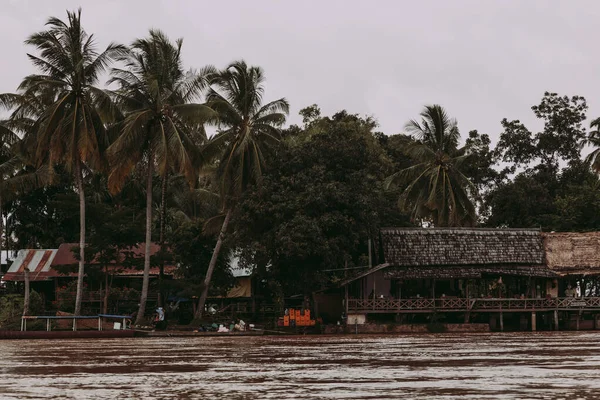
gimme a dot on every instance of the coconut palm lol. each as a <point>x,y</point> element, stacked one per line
<point>593,139</point>
<point>436,189</point>
<point>7,139</point>
<point>154,93</point>
<point>17,148</point>
<point>247,130</point>
<point>71,130</point>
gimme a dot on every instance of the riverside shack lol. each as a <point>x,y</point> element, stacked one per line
<point>52,269</point>
<point>518,278</point>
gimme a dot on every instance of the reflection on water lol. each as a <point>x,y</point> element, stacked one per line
<point>481,366</point>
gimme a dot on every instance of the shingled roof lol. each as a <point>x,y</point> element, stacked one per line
<point>573,252</point>
<point>459,253</point>
<point>409,247</point>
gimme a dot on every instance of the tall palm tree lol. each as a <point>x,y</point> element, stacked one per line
<point>17,146</point>
<point>436,189</point>
<point>247,129</point>
<point>593,139</point>
<point>7,139</point>
<point>71,130</point>
<point>155,95</point>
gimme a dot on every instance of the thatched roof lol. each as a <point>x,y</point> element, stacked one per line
<point>459,253</point>
<point>573,253</point>
<point>411,247</point>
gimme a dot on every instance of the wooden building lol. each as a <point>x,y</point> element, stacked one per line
<point>522,277</point>
<point>50,270</point>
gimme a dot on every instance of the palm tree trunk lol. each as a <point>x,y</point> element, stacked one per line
<point>212,264</point>
<point>144,297</point>
<point>163,211</point>
<point>80,273</point>
<point>26,296</point>
<point>105,300</point>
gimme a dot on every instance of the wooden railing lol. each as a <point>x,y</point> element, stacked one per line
<point>463,304</point>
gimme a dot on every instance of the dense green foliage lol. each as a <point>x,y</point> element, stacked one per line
<point>320,201</point>
<point>299,205</point>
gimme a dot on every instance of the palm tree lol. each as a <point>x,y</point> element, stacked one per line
<point>7,139</point>
<point>247,129</point>
<point>154,94</point>
<point>17,145</point>
<point>594,140</point>
<point>436,189</point>
<point>71,131</point>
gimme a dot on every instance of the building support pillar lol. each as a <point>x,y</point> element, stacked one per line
<point>556,320</point>
<point>346,300</point>
<point>578,318</point>
<point>533,321</point>
<point>501,321</point>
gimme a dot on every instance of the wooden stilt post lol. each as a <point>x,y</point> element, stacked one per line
<point>346,291</point>
<point>346,300</point>
<point>578,318</point>
<point>48,324</point>
<point>501,321</point>
<point>533,321</point>
<point>555,320</point>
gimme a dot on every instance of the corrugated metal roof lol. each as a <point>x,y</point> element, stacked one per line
<point>236,269</point>
<point>37,261</point>
<point>65,254</point>
<point>41,263</point>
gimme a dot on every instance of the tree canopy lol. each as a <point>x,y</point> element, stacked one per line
<point>299,205</point>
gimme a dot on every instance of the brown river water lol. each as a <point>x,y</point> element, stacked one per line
<point>478,366</point>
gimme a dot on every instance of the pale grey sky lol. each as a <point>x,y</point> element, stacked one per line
<point>481,59</point>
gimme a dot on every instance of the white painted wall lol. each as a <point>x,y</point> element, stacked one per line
<point>354,319</point>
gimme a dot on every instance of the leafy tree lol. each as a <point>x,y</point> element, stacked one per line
<point>155,94</point>
<point>594,140</point>
<point>193,251</point>
<point>71,131</point>
<point>436,186</point>
<point>560,140</point>
<point>318,204</point>
<point>542,198</point>
<point>7,139</point>
<point>553,183</point>
<point>247,131</point>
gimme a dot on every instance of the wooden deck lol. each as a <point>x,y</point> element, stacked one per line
<point>471,305</point>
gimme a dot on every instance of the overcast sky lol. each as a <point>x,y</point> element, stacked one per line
<point>483,60</point>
